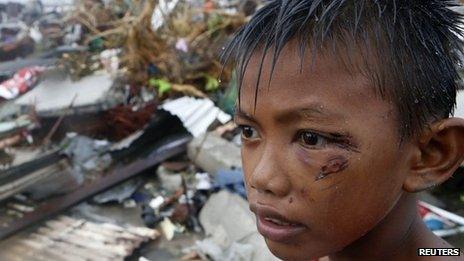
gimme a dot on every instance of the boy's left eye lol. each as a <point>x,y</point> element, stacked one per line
<point>249,133</point>
<point>311,139</point>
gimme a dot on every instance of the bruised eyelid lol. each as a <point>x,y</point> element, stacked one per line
<point>341,140</point>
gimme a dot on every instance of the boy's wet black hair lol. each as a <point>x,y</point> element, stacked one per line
<point>410,49</point>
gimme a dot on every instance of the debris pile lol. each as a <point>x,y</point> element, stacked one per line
<point>116,134</point>
<point>113,107</point>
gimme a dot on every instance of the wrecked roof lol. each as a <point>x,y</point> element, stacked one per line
<point>67,238</point>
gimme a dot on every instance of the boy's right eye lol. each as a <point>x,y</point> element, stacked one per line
<point>249,133</point>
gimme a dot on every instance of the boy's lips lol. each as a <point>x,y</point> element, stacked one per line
<point>274,226</point>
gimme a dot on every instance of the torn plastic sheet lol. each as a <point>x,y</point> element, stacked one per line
<point>119,193</point>
<point>86,154</point>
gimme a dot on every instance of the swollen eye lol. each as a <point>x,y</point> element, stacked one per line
<point>311,139</point>
<point>249,133</point>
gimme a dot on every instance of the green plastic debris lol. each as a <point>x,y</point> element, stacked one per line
<point>96,45</point>
<point>212,83</point>
<point>162,86</point>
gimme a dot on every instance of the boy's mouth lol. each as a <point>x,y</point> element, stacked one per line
<point>279,222</point>
<point>276,227</point>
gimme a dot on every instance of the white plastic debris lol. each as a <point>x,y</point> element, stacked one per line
<point>232,228</point>
<point>168,228</point>
<point>156,202</point>
<point>203,181</point>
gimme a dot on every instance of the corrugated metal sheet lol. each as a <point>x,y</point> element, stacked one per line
<point>196,114</point>
<point>67,238</point>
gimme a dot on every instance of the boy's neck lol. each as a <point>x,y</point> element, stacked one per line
<point>396,237</point>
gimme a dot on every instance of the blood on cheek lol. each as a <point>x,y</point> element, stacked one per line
<point>324,163</point>
<point>333,165</point>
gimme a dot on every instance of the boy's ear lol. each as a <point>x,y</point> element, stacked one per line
<point>438,153</point>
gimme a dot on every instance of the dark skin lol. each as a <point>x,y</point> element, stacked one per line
<point>323,151</point>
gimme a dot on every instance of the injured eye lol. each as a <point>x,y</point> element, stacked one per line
<point>249,133</point>
<point>311,139</point>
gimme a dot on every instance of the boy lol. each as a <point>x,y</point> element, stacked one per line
<point>344,108</point>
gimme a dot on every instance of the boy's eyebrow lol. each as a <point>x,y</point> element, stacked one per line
<point>241,114</point>
<point>312,111</point>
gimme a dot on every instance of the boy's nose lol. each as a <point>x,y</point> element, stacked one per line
<point>269,176</point>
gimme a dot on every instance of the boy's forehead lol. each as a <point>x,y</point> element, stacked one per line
<point>348,57</point>
<point>315,80</point>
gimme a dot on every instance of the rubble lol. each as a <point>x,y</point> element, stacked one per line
<point>14,41</point>
<point>234,224</point>
<point>170,181</point>
<point>119,193</point>
<point>213,153</point>
<point>124,110</point>
<point>157,146</point>
<point>56,92</point>
<point>231,180</point>
<point>19,178</point>
<point>111,92</point>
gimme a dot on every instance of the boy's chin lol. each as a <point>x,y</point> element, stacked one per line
<point>289,251</point>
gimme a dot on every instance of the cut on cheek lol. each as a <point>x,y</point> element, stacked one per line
<point>333,165</point>
<point>323,164</point>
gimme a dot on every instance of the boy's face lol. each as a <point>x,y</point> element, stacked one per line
<point>320,153</point>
